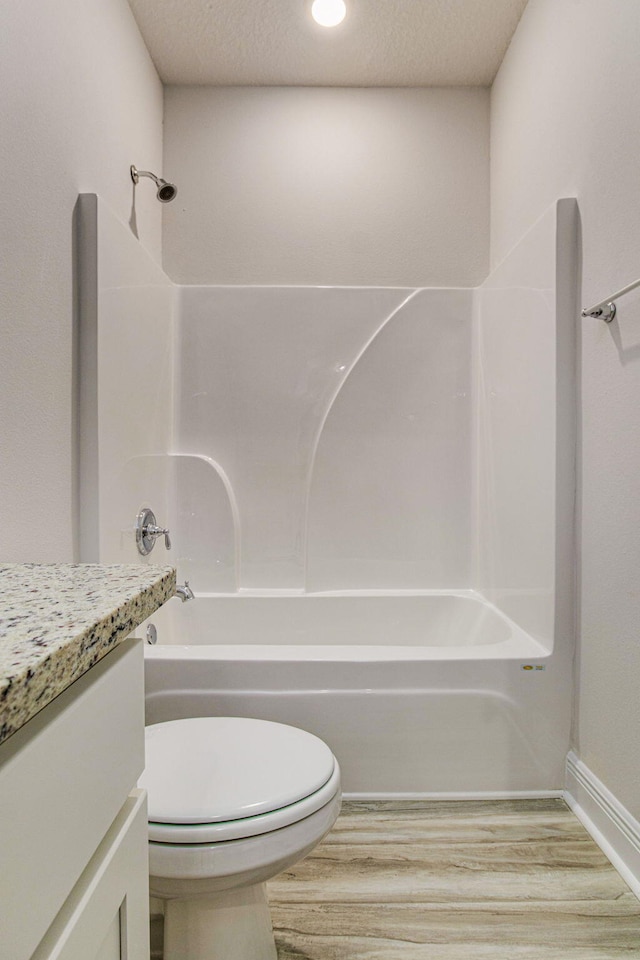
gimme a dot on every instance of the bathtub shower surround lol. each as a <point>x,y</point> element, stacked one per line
<point>370,492</point>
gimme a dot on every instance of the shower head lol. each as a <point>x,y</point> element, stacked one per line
<point>166,191</point>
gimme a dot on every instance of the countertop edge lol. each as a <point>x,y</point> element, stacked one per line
<point>46,674</point>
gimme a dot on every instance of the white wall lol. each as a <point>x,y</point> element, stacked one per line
<point>327,186</point>
<point>565,108</point>
<point>79,102</point>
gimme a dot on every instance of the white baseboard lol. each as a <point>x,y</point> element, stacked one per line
<point>610,824</point>
<point>462,795</point>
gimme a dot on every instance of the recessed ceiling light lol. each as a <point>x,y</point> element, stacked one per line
<point>328,13</point>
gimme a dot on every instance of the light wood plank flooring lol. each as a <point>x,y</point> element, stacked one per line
<point>425,880</point>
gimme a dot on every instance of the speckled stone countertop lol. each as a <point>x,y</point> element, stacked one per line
<point>58,620</point>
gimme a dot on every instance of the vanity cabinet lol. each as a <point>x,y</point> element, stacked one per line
<point>73,828</point>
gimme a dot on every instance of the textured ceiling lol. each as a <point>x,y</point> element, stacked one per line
<point>380,43</point>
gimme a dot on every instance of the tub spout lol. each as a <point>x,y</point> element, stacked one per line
<point>185,592</point>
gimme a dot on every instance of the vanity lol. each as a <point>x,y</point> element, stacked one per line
<point>73,826</point>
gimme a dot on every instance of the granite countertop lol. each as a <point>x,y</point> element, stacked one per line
<point>58,620</point>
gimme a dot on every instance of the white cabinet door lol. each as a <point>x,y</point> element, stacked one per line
<point>64,777</point>
<point>106,917</point>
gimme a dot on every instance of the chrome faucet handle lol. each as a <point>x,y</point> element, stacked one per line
<point>147,532</point>
<point>151,530</point>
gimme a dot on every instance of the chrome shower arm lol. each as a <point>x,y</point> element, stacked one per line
<point>136,174</point>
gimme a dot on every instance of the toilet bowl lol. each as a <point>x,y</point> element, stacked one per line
<point>232,802</point>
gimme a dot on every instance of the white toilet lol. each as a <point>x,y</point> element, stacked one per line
<point>232,802</point>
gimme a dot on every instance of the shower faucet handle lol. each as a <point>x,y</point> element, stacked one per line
<point>147,532</point>
<point>153,531</point>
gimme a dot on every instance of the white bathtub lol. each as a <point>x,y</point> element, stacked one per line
<point>416,693</point>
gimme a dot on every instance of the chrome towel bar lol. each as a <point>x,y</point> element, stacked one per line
<point>606,309</point>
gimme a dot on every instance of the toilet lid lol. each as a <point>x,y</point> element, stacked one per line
<point>214,769</point>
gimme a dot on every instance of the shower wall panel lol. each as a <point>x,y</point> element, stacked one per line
<point>390,497</point>
<point>126,327</point>
<point>309,438</point>
<point>525,368</point>
<point>340,419</point>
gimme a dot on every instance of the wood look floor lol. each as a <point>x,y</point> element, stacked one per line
<point>425,880</point>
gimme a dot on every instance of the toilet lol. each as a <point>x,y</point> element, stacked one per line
<point>232,802</point>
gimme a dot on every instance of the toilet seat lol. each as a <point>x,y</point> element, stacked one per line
<point>214,779</point>
<point>194,833</point>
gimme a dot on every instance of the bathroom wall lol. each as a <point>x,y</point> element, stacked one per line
<point>384,187</point>
<point>565,108</point>
<point>79,102</point>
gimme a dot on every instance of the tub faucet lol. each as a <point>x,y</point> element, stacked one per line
<point>185,592</point>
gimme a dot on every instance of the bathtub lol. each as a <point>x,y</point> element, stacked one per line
<point>433,694</point>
